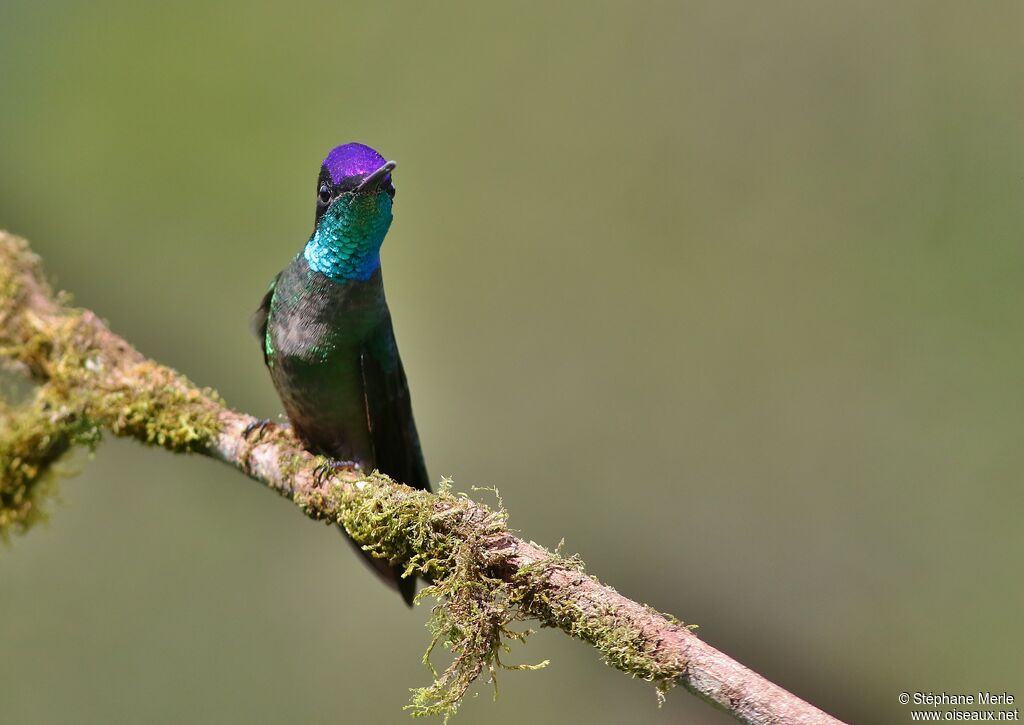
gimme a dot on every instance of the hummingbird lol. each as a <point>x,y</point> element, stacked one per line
<point>327,339</point>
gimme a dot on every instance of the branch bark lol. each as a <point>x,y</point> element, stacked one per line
<point>485,579</point>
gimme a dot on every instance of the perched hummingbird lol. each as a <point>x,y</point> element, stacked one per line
<point>327,339</point>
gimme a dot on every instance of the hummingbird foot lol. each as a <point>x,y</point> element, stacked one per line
<point>258,428</point>
<point>330,467</point>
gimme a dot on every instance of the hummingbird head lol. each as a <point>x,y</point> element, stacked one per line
<point>353,213</point>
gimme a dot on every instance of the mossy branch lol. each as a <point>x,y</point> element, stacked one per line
<point>485,579</point>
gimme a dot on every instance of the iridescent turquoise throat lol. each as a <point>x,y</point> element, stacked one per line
<point>345,245</point>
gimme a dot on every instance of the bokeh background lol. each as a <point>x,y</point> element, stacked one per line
<point>728,295</point>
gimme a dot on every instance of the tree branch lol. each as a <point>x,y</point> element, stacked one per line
<point>484,578</point>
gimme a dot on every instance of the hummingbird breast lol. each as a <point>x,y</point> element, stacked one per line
<point>316,335</point>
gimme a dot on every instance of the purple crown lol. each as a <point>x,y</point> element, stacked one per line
<point>353,159</point>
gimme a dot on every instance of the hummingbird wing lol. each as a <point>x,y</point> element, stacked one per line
<point>396,443</point>
<point>261,317</point>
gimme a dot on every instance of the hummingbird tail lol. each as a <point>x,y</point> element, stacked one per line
<point>390,575</point>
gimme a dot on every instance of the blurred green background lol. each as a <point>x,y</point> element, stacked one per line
<point>727,295</point>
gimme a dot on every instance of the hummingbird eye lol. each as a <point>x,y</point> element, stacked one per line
<point>324,194</point>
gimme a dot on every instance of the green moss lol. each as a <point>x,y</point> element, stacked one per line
<point>621,644</point>
<point>167,413</point>
<point>69,411</point>
<point>16,262</point>
<point>437,536</point>
<point>478,602</point>
<point>290,468</point>
<point>33,437</point>
<point>81,391</point>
